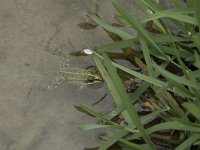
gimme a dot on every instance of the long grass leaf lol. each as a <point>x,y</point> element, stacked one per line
<point>147,57</point>
<point>173,125</point>
<point>126,99</point>
<point>197,12</point>
<point>110,28</point>
<point>197,59</point>
<point>170,14</point>
<point>193,109</point>
<point>95,126</point>
<point>96,114</point>
<point>135,42</point>
<point>132,145</point>
<point>196,40</point>
<point>146,78</point>
<point>136,24</point>
<point>188,142</point>
<point>176,78</point>
<point>111,86</point>
<point>152,5</point>
<point>119,44</point>
<point>112,140</point>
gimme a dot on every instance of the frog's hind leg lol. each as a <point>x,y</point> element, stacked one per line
<point>56,82</point>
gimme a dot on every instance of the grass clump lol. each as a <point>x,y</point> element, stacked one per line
<point>166,50</point>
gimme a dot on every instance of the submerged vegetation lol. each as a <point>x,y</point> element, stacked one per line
<point>166,51</point>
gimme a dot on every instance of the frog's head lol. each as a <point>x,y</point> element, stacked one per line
<point>94,79</point>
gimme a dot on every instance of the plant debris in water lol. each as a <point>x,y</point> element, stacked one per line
<point>87,26</point>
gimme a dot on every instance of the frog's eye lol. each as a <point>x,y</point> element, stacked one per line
<point>88,51</point>
<point>90,79</point>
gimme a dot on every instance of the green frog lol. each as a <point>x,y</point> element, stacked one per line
<point>88,76</point>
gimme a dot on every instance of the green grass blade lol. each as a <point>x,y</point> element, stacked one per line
<point>176,78</point>
<point>135,42</point>
<point>180,89</point>
<point>174,125</point>
<point>142,76</point>
<point>132,145</point>
<point>146,118</point>
<point>110,28</point>
<point>172,15</point>
<point>126,99</point>
<point>195,74</point>
<point>193,109</point>
<point>151,4</point>
<point>197,58</point>
<point>147,57</point>
<point>111,86</point>
<point>197,142</point>
<point>140,90</point>
<point>136,24</point>
<point>196,40</point>
<point>96,114</point>
<point>107,79</point>
<point>197,12</point>
<point>96,126</point>
<point>112,140</point>
<point>189,142</point>
<point>183,53</point>
<point>116,111</point>
<point>105,119</point>
<point>118,45</point>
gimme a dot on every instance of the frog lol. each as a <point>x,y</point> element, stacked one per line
<point>85,76</point>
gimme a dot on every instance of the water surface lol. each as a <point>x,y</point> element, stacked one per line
<point>33,118</point>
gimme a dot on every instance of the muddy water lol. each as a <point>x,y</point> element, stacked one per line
<point>31,117</point>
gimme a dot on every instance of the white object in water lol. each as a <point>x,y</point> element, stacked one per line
<point>88,51</point>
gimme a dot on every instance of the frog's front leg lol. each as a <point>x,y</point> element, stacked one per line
<point>83,85</point>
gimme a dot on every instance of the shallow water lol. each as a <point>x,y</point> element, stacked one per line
<point>33,118</point>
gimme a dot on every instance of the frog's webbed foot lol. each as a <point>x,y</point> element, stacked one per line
<point>83,85</point>
<point>56,82</point>
<point>63,63</point>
